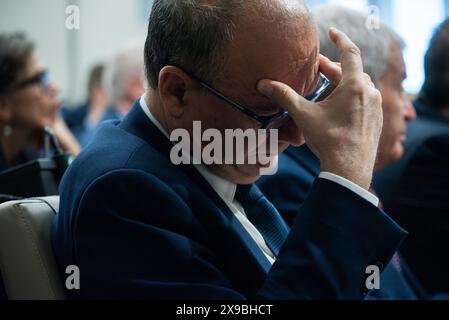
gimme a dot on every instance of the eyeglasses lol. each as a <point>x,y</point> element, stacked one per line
<point>40,78</point>
<point>323,89</point>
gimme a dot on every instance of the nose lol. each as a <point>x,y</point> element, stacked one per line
<point>291,134</point>
<point>52,89</point>
<point>409,110</point>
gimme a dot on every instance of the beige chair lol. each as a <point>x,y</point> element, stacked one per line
<point>27,263</point>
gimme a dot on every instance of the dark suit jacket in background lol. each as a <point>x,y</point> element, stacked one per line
<point>289,189</point>
<point>416,193</point>
<point>139,227</point>
<point>76,120</point>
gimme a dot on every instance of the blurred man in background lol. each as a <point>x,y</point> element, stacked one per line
<point>124,82</point>
<point>382,58</point>
<point>113,88</point>
<point>83,120</point>
<point>416,190</point>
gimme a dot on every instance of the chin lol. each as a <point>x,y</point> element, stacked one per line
<point>246,174</point>
<point>246,180</point>
<point>400,151</point>
<point>242,179</point>
<point>397,158</point>
<point>396,155</point>
<point>47,122</point>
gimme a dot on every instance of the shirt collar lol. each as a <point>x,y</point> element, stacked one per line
<point>147,111</point>
<point>224,188</point>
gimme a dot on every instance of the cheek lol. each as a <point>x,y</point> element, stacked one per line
<point>33,108</point>
<point>390,143</point>
<point>393,114</point>
<point>389,134</point>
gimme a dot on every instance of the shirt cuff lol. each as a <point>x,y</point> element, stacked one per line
<point>368,196</point>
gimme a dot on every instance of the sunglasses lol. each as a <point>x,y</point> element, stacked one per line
<point>41,78</point>
<point>323,90</point>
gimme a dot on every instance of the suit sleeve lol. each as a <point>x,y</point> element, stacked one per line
<point>133,240</point>
<point>335,237</point>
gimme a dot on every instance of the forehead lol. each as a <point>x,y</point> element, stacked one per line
<point>396,62</point>
<point>32,66</point>
<point>264,48</point>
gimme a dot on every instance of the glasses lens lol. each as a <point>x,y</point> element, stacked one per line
<point>41,79</point>
<point>278,122</point>
<point>323,90</point>
<point>44,80</point>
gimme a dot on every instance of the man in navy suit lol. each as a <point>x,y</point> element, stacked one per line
<point>416,189</point>
<point>299,167</point>
<point>138,225</point>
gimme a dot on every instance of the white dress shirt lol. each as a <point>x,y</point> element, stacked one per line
<point>226,190</point>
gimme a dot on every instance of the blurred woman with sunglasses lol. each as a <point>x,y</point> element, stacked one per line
<point>27,104</point>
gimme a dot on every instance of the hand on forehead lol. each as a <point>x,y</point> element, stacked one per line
<point>260,50</point>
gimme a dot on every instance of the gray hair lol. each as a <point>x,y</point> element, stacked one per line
<point>375,45</point>
<point>126,63</point>
<point>195,34</point>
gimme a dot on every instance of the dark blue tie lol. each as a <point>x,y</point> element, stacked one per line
<point>264,216</point>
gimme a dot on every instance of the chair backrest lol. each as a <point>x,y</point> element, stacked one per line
<point>27,264</point>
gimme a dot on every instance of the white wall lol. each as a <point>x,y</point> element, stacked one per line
<point>43,22</point>
<point>106,27</point>
<point>417,28</point>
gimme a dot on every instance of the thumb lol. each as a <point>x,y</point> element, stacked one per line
<point>284,97</point>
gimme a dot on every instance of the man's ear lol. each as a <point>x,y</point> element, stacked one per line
<point>172,87</point>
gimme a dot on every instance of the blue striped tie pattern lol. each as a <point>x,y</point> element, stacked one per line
<point>264,216</point>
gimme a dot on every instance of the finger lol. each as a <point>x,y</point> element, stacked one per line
<point>367,77</point>
<point>284,97</point>
<point>368,80</point>
<point>334,62</point>
<point>351,61</point>
<point>331,70</point>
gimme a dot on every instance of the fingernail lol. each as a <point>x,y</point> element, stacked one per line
<point>265,88</point>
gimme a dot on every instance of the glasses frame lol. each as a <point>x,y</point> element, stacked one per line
<point>282,117</point>
<point>40,78</point>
